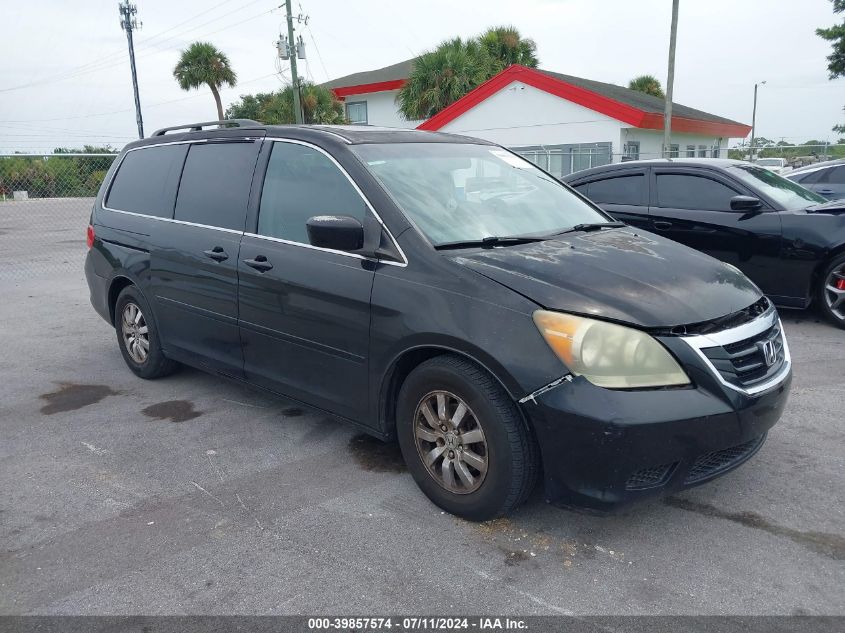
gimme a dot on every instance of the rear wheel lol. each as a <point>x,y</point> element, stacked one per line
<point>137,336</point>
<point>464,439</point>
<point>832,291</point>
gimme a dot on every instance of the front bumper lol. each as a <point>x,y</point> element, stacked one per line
<point>603,449</point>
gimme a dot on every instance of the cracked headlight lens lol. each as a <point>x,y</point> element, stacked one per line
<point>609,355</point>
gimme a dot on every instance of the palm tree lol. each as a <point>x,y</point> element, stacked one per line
<point>506,46</point>
<point>442,76</point>
<point>648,84</point>
<point>203,63</point>
<point>318,103</point>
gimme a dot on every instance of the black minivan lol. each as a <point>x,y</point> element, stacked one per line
<point>444,292</point>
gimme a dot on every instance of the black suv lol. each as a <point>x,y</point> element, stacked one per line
<point>789,241</point>
<point>444,292</point>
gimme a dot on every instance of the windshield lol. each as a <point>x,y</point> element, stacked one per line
<point>770,162</point>
<point>460,192</point>
<point>790,195</point>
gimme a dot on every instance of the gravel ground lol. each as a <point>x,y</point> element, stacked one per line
<point>193,495</point>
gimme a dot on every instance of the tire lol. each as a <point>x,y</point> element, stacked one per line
<point>490,428</point>
<point>831,297</point>
<point>138,338</point>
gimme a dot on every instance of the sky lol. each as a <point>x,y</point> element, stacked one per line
<point>65,78</point>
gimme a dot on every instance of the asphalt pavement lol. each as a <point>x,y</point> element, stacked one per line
<point>194,495</point>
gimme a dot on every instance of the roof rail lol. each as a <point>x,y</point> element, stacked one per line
<point>196,127</point>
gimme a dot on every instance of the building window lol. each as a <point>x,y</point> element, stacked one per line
<point>702,151</point>
<point>715,152</point>
<point>690,151</point>
<point>561,160</point>
<point>674,150</point>
<point>631,150</point>
<point>356,112</point>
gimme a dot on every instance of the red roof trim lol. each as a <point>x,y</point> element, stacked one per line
<point>380,86</point>
<point>587,98</point>
<point>653,121</point>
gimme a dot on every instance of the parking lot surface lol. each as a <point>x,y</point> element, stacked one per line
<point>192,494</point>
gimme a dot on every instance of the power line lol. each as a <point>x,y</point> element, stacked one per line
<point>111,62</point>
<point>317,50</point>
<point>149,105</point>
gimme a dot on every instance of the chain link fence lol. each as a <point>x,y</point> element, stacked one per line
<point>45,203</point>
<point>563,162</point>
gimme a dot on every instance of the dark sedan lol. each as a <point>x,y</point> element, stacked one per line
<point>790,241</point>
<point>826,179</point>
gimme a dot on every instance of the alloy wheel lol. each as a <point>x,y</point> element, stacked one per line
<point>136,336</point>
<point>450,442</point>
<point>834,291</point>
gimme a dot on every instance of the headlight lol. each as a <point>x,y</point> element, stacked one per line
<point>609,355</point>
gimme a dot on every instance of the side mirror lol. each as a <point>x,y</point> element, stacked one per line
<point>337,232</point>
<point>746,203</point>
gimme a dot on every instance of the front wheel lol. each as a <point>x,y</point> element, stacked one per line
<point>832,291</point>
<point>464,439</point>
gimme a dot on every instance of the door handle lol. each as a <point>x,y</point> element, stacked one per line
<point>260,263</point>
<point>217,254</point>
<point>662,225</point>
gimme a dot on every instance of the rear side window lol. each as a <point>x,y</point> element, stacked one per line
<point>621,190</point>
<point>583,189</point>
<point>302,182</point>
<point>146,181</point>
<point>681,191</point>
<point>833,175</point>
<point>214,190</point>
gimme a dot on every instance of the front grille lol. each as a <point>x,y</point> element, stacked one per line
<point>744,363</point>
<point>649,477</point>
<point>715,462</point>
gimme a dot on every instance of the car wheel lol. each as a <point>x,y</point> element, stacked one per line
<point>464,440</point>
<point>832,292</point>
<point>137,336</point>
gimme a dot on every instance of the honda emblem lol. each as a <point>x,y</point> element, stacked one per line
<point>770,354</point>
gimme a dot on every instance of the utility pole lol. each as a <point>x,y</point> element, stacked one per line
<point>753,123</point>
<point>670,81</point>
<point>128,22</point>
<point>297,106</point>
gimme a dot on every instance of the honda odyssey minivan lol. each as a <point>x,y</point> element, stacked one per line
<point>443,292</point>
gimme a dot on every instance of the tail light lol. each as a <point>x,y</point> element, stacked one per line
<point>89,238</point>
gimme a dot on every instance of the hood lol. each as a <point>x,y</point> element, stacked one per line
<point>834,206</point>
<point>623,275</point>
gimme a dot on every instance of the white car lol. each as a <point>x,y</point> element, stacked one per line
<point>777,165</point>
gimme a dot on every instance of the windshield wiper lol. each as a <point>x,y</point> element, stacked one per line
<point>489,242</point>
<point>594,226</point>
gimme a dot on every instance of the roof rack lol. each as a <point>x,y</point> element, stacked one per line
<point>197,127</point>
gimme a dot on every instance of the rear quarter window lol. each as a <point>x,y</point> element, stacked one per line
<point>146,181</point>
<point>214,190</point>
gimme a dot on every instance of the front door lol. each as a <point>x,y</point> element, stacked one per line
<point>305,311</point>
<point>194,267</point>
<point>694,208</point>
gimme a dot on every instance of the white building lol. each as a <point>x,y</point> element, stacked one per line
<point>561,122</point>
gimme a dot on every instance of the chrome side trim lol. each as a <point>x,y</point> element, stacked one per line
<point>172,221</point>
<point>320,248</point>
<point>740,333</point>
